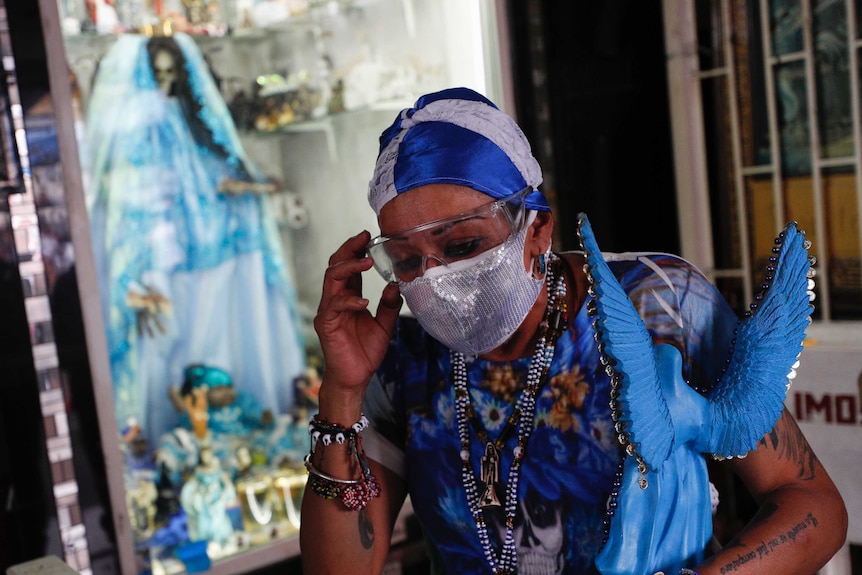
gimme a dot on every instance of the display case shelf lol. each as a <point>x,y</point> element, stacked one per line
<point>255,558</point>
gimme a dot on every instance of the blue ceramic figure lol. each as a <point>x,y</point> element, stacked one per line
<point>205,497</point>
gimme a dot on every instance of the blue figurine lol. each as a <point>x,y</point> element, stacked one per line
<point>229,410</point>
<point>205,498</point>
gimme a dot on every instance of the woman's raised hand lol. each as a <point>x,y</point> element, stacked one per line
<point>352,339</point>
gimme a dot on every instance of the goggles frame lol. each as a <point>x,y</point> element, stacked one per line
<point>512,208</point>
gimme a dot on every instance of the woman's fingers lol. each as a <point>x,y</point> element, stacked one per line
<point>389,307</point>
<point>353,248</point>
<point>345,268</point>
<point>341,304</point>
<point>353,340</point>
<point>343,279</point>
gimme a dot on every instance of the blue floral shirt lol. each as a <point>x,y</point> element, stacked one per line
<point>572,456</point>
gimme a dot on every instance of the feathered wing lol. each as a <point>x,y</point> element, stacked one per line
<point>748,399</point>
<point>627,348</point>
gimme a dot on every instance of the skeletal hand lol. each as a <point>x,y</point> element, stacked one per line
<point>149,307</point>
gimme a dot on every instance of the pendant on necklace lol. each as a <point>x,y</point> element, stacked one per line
<point>490,476</point>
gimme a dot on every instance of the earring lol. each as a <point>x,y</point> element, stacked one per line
<point>542,265</point>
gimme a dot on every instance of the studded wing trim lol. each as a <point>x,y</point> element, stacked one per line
<point>641,415</point>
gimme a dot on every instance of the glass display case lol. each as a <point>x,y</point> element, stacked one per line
<point>225,149</point>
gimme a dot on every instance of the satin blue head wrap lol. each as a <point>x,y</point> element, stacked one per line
<point>455,136</point>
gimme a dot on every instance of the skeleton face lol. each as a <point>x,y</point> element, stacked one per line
<point>165,71</point>
<point>221,395</point>
<point>539,536</point>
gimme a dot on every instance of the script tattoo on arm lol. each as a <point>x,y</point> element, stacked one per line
<point>765,548</point>
<point>366,530</point>
<point>788,443</point>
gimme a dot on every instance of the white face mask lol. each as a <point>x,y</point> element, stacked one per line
<point>475,305</point>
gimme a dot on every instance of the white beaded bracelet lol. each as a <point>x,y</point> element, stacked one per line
<point>326,433</point>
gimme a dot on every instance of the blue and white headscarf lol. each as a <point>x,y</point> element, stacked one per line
<point>455,136</point>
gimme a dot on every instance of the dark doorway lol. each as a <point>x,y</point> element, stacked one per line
<point>592,95</point>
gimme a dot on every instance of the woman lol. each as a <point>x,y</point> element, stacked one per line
<point>491,406</point>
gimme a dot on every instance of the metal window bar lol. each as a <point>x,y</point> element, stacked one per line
<point>772,113</point>
<point>736,139</point>
<point>816,168</point>
<point>756,170</point>
<point>845,162</point>
<point>853,46</point>
<point>715,72</point>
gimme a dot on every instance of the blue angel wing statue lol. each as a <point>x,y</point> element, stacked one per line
<point>767,346</point>
<point>660,512</point>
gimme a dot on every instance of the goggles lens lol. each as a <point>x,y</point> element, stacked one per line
<point>405,256</point>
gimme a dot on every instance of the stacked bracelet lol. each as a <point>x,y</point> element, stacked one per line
<point>326,433</point>
<point>325,485</point>
<point>354,493</point>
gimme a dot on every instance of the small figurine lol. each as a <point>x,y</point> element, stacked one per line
<point>141,495</point>
<point>167,502</point>
<point>208,393</point>
<point>177,455</point>
<point>308,386</point>
<point>205,497</point>
<point>136,448</point>
<point>139,476</point>
<point>289,437</point>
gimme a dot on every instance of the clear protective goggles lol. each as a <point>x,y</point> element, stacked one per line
<point>405,256</point>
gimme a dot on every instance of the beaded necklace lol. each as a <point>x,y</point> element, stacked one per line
<point>553,325</point>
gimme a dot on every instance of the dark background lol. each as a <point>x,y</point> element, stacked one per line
<point>601,102</point>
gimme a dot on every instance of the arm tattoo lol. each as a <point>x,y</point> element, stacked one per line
<point>366,530</point>
<point>763,514</point>
<point>765,548</point>
<point>788,442</point>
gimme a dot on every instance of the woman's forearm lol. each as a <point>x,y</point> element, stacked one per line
<point>335,539</point>
<point>796,531</point>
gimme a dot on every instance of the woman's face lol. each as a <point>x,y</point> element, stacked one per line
<point>165,71</point>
